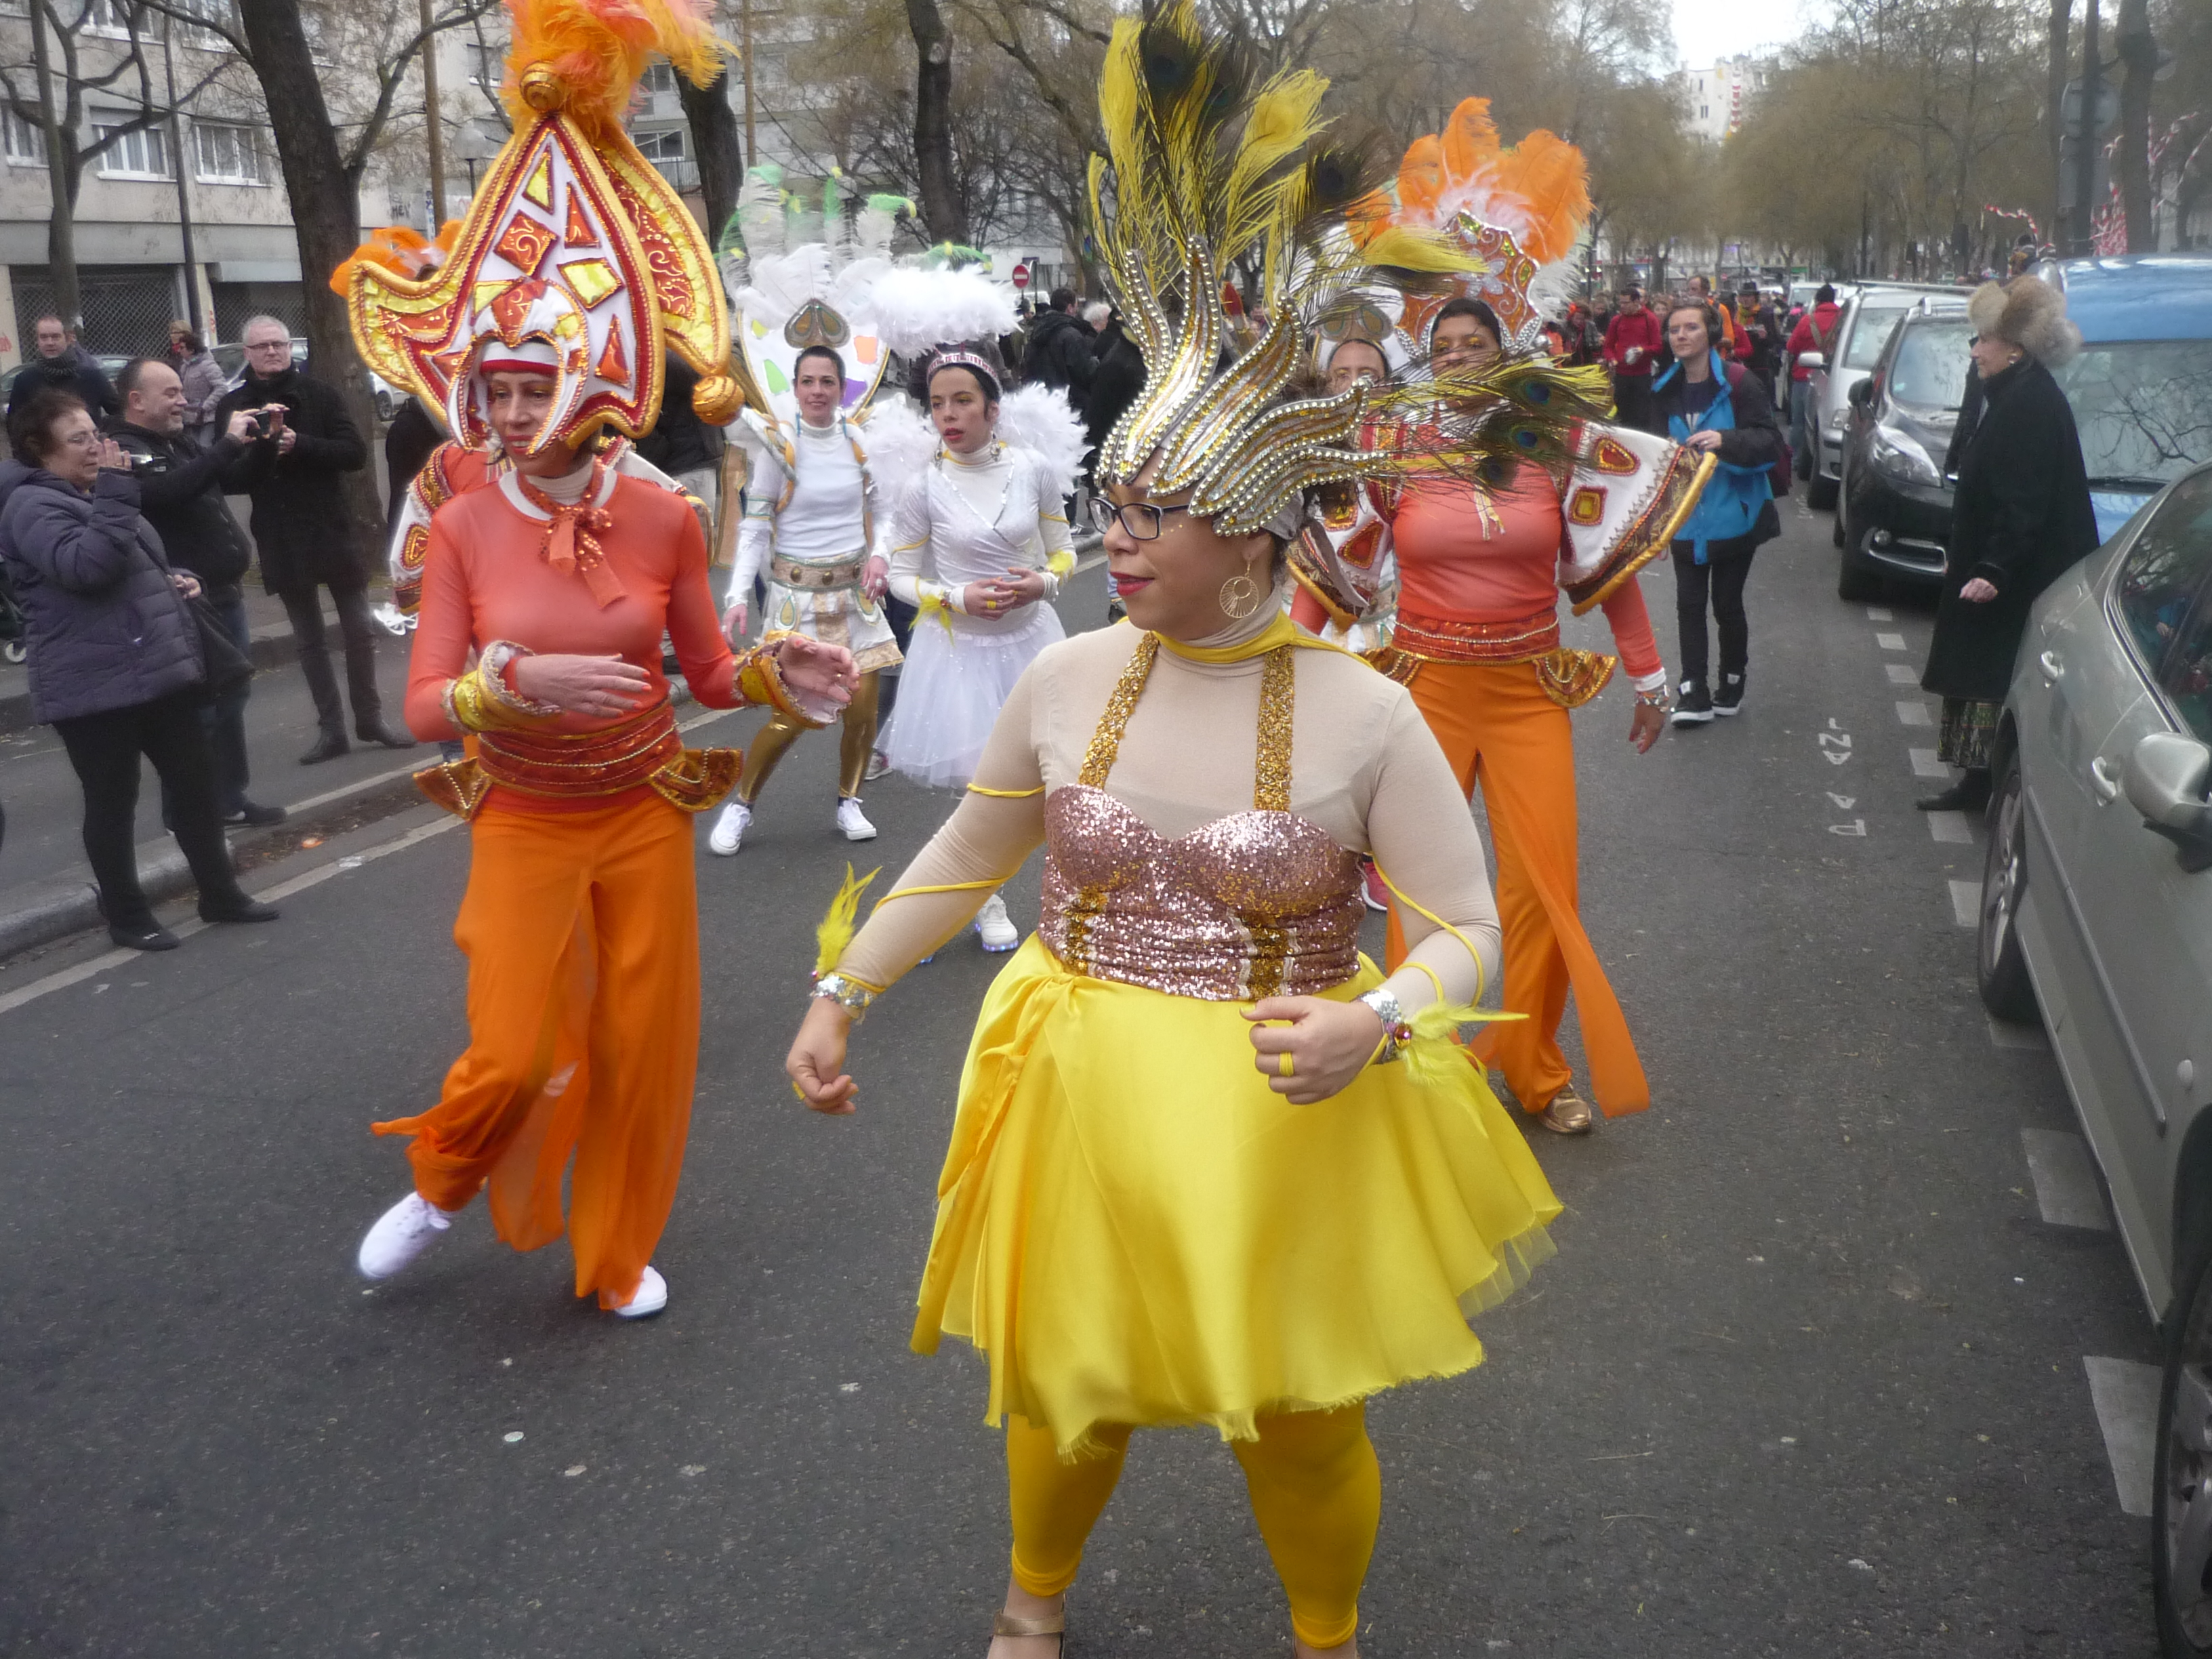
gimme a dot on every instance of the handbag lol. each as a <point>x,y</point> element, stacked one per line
<point>224,667</point>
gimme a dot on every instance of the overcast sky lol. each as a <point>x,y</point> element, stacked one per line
<point>1708,29</point>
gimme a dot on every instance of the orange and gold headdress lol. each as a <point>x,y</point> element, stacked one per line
<point>1516,214</point>
<point>576,257</point>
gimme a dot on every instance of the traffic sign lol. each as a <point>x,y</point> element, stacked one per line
<point>1021,274</point>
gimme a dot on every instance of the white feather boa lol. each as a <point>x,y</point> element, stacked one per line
<point>900,443</point>
<point>917,309</point>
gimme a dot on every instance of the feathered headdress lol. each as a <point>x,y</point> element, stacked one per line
<point>1212,170</point>
<point>576,258</point>
<point>1515,213</point>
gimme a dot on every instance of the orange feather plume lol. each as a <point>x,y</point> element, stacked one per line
<point>1538,189</point>
<point>1470,139</point>
<point>1550,175</point>
<point>584,57</point>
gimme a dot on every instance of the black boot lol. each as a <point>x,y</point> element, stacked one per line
<point>1970,794</point>
<point>236,907</point>
<point>328,746</point>
<point>137,931</point>
<point>379,731</point>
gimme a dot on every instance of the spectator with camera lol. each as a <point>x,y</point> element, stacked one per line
<point>180,493</point>
<point>302,440</point>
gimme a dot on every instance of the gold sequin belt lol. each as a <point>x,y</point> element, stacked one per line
<point>644,750</point>
<point>817,578</point>
<point>1450,639</point>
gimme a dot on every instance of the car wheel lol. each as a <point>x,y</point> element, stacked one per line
<point>2000,968</point>
<point>1821,493</point>
<point>2181,1500</point>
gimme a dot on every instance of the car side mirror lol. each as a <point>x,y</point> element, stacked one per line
<point>1812,359</point>
<point>1862,394</point>
<point>2165,782</point>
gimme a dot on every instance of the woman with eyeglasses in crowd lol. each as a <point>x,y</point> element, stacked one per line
<point>979,545</point>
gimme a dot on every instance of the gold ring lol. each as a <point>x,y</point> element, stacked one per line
<point>1285,1071</point>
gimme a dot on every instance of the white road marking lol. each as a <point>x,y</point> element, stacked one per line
<point>1856,827</point>
<point>2003,1034</point>
<point>2125,1394</point>
<point>1913,713</point>
<point>1843,802</point>
<point>1890,642</point>
<point>1879,613</point>
<point>1966,903</point>
<point>63,979</point>
<point>1901,673</point>
<point>1090,563</point>
<point>356,788</point>
<point>2066,1189</point>
<point>1926,765</point>
<point>1950,829</point>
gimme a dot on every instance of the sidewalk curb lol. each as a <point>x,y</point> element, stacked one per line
<point>275,646</point>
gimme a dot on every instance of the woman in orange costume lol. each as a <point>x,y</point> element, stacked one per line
<point>559,576</point>
<point>1480,570</point>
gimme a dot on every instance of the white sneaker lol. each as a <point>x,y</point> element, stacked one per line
<point>853,822</point>
<point>995,926</point>
<point>879,763</point>
<point>401,1234</point>
<point>729,829</point>
<point>652,1296</point>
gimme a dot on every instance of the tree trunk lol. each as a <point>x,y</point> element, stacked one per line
<point>326,222</point>
<point>942,210</point>
<point>2138,52</point>
<point>61,213</point>
<point>714,139</point>
<point>2060,33</point>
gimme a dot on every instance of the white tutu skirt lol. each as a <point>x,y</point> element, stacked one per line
<point>951,689</point>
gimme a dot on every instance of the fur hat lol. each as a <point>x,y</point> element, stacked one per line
<point>2030,313</point>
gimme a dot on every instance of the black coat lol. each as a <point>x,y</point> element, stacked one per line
<point>1119,382</point>
<point>1755,440</point>
<point>75,372</point>
<point>1059,354</point>
<point>300,525</point>
<point>680,442</point>
<point>2020,519</point>
<point>408,442</point>
<point>180,490</point>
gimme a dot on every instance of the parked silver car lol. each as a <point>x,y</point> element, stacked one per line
<point>1862,330</point>
<point>2097,910</point>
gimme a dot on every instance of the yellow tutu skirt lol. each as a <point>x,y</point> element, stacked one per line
<point>1131,1227</point>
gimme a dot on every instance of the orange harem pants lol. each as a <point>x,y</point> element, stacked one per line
<point>1315,1491</point>
<point>581,931</point>
<point>1498,728</point>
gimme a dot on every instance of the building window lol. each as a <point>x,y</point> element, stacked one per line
<point>659,81</point>
<point>1704,111</point>
<point>227,154</point>
<point>658,147</point>
<point>26,140</point>
<point>483,63</point>
<point>140,154</point>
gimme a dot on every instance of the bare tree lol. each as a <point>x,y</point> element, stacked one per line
<point>942,209</point>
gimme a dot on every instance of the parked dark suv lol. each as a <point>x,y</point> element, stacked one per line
<point>1894,512</point>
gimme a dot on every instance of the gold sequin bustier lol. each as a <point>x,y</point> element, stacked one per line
<point>1255,904</point>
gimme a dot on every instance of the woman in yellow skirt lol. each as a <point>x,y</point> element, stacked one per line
<point>1209,1166</point>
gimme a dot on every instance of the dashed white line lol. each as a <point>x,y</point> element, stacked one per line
<point>1967,902</point>
<point>1879,613</point>
<point>2066,1189</point>
<point>2125,1394</point>
<point>1926,765</point>
<point>1901,673</point>
<point>2003,1034</point>
<point>1950,828</point>
<point>1890,642</point>
<point>1914,714</point>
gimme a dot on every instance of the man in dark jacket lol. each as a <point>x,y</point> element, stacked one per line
<point>180,490</point>
<point>1059,353</point>
<point>681,444</point>
<point>303,533</point>
<point>66,366</point>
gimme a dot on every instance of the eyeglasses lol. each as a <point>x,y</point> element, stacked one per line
<point>82,440</point>
<point>1140,519</point>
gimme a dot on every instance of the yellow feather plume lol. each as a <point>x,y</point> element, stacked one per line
<point>1433,1054</point>
<point>834,931</point>
<point>1410,248</point>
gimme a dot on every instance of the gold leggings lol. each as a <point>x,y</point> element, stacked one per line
<point>857,742</point>
<point>1315,1491</point>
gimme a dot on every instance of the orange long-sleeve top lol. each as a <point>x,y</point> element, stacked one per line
<point>485,578</point>
<point>1458,562</point>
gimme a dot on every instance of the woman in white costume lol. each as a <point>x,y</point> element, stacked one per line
<point>979,544</point>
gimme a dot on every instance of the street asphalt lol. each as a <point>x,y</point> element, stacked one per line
<point>1806,1378</point>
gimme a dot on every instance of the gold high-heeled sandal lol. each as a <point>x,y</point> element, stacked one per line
<point>1566,1114</point>
<point>1004,1624</point>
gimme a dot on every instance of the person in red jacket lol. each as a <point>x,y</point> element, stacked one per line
<point>1632,340</point>
<point>1815,332</point>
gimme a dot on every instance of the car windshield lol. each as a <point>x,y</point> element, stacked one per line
<point>2143,407</point>
<point>1870,333</point>
<point>1929,370</point>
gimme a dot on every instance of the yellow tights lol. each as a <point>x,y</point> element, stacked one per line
<point>1315,1490</point>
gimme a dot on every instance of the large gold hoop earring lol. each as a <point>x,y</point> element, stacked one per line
<point>1240,595</point>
